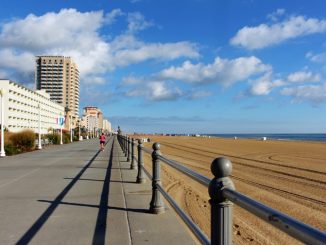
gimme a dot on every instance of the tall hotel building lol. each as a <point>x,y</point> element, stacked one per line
<point>59,77</point>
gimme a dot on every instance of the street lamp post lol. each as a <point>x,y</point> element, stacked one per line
<point>39,127</point>
<point>79,136</point>
<point>2,152</point>
<point>70,125</point>
<point>61,125</point>
<point>90,128</point>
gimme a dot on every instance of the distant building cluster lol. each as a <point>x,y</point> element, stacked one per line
<point>55,100</point>
<point>93,120</point>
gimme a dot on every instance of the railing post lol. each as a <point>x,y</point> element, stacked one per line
<point>156,205</point>
<point>221,208</point>
<point>140,175</point>
<point>133,155</point>
<point>124,143</point>
<point>127,149</point>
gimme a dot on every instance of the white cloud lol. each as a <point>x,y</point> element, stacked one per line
<point>95,80</point>
<point>166,51</point>
<point>68,33</point>
<point>303,76</point>
<point>131,80</point>
<point>155,91</point>
<point>111,17</point>
<point>265,35</point>
<point>264,85</point>
<point>137,22</point>
<point>15,60</point>
<point>313,93</point>
<point>224,71</point>
<point>318,58</point>
<point>77,34</point>
<point>275,15</point>
<point>3,74</point>
<point>198,94</point>
<point>67,28</point>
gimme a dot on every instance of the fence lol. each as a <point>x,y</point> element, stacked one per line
<point>222,193</point>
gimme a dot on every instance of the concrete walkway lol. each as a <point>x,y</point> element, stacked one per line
<point>75,194</point>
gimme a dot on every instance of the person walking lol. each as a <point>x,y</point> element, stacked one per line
<point>102,141</point>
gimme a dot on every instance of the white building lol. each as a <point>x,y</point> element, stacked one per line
<point>22,108</point>
<point>107,126</point>
<point>92,123</point>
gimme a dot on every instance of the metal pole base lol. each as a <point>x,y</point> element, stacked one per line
<point>157,210</point>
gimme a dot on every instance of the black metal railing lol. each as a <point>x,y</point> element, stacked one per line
<point>222,193</point>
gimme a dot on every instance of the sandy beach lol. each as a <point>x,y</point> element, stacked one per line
<point>287,175</point>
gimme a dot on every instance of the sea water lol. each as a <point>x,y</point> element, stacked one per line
<point>296,137</point>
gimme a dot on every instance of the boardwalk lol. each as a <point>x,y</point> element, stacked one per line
<point>74,194</point>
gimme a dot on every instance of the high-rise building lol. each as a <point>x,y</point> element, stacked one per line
<point>59,76</point>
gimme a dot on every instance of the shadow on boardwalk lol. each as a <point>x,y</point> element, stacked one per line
<point>103,207</point>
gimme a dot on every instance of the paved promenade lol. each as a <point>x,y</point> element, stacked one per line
<point>74,194</point>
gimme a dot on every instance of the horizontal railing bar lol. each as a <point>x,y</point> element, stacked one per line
<point>147,150</point>
<point>147,173</point>
<point>287,224</point>
<point>196,176</point>
<point>192,226</point>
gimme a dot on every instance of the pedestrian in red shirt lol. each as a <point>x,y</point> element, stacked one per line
<point>102,141</point>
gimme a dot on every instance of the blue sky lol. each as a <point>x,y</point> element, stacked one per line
<point>181,66</point>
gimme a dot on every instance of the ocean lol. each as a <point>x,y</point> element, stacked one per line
<point>296,137</point>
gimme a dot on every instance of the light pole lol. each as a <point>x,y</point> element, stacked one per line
<point>39,127</point>
<point>61,124</point>
<point>80,138</point>
<point>90,125</point>
<point>2,152</point>
<point>70,125</point>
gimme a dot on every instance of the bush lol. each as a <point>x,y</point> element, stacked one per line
<point>54,138</point>
<point>23,141</point>
<point>9,148</point>
<point>66,138</point>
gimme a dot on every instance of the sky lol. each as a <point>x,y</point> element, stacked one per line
<point>181,66</point>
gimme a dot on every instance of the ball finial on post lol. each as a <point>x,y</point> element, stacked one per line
<point>221,167</point>
<point>156,146</point>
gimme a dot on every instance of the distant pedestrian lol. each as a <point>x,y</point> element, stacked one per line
<point>102,141</point>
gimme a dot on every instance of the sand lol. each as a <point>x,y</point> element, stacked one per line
<point>286,175</point>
